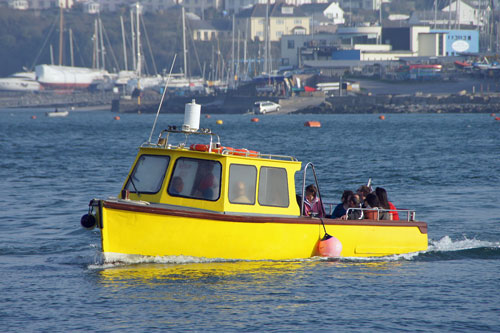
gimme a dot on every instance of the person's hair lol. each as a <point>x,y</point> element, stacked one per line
<point>346,195</point>
<point>365,190</point>
<point>312,189</point>
<point>382,197</point>
<point>372,200</point>
<point>353,199</point>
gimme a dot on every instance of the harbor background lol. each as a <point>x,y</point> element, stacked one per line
<point>445,166</point>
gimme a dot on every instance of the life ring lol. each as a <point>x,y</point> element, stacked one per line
<point>198,147</point>
<point>202,147</point>
<point>245,152</point>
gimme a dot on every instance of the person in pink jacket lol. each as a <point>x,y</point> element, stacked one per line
<point>312,204</point>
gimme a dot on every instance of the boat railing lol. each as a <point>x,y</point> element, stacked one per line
<point>409,213</point>
<point>164,136</point>
<point>163,142</point>
<point>250,153</point>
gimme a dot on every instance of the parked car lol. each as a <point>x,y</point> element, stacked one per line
<point>264,107</point>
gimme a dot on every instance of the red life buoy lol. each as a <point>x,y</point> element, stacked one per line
<point>201,147</point>
<point>198,147</point>
<point>245,152</point>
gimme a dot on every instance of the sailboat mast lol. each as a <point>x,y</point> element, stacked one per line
<point>184,50</point>
<point>61,25</point>
<point>124,44</point>
<point>71,47</point>
<point>133,39</point>
<point>96,45</point>
<point>232,56</point>
<point>101,40</point>
<point>266,36</point>
<point>138,35</point>
<point>51,54</point>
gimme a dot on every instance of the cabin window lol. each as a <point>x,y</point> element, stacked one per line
<point>242,183</point>
<point>147,176</point>
<point>195,178</point>
<point>273,187</point>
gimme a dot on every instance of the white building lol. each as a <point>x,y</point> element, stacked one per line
<point>19,4</point>
<point>465,14</point>
<point>91,7</point>
<point>235,6</point>
<point>347,5</point>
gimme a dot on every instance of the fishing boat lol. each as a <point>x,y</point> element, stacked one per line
<point>57,113</point>
<point>188,195</point>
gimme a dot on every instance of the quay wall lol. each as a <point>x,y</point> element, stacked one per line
<point>456,103</point>
<point>60,99</point>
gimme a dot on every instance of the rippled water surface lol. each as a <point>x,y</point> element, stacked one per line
<point>447,167</point>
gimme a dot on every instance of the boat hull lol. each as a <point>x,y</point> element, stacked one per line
<point>135,229</point>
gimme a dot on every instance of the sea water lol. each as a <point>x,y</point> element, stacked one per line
<point>447,167</point>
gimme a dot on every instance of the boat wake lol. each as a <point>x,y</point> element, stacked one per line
<point>448,249</point>
<point>442,249</point>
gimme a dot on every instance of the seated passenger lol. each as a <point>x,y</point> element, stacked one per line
<point>204,182</point>
<point>341,208</point>
<point>240,193</point>
<point>363,191</point>
<point>371,201</point>
<point>176,186</point>
<point>385,203</point>
<point>312,204</point>
<point>353,214</point>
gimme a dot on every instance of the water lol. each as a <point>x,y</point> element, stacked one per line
<point>445,166</point>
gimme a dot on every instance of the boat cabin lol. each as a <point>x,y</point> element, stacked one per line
<point>212,177</point>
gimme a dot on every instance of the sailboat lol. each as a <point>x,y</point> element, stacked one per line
<point>67,77</point>
<point>20,81</point>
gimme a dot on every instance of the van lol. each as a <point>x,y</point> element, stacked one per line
<point>263,107</point>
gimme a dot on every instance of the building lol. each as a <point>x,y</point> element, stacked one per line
<point>361,44</point>
<point>235,6</point>
<point>209,30</point>
<point>91,7</point>
<point>460,41</point>
<point>19,4</point>
<point>324,13</point>
<point>283,20</point>
<point>295,49</point>
<point>348,5</point>
<point>465,13</point>
<point>199,6</point>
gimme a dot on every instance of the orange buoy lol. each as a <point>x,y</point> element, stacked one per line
<point>497,118</point>
<point>492,114</point>
<point>33,117</point>
<point>255,120</point>
<point>219,122</point>
<point>116,118</point>
<point>312,124</point>
<point>329,246</point>
<point>207,116</point>
<point>382,117</point>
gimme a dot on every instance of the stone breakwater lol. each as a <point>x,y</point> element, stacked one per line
<point>418,103</point>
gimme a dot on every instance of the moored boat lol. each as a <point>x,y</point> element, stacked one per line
<point>192,196</point>
<point>57,113</point>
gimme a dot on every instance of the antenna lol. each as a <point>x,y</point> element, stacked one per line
<point>162,97</point>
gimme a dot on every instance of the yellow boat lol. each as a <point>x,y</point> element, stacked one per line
<point>210,201</point>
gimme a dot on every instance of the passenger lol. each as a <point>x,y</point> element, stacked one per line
<point>176,186</point>
<point>312,204</point>
<point>341,209</point>
<point>205,181</point>
<point>353,214</point>
<point>371,201</point>
<point>363,191</point>
<point>385,203</point>
<point>240,193</point>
